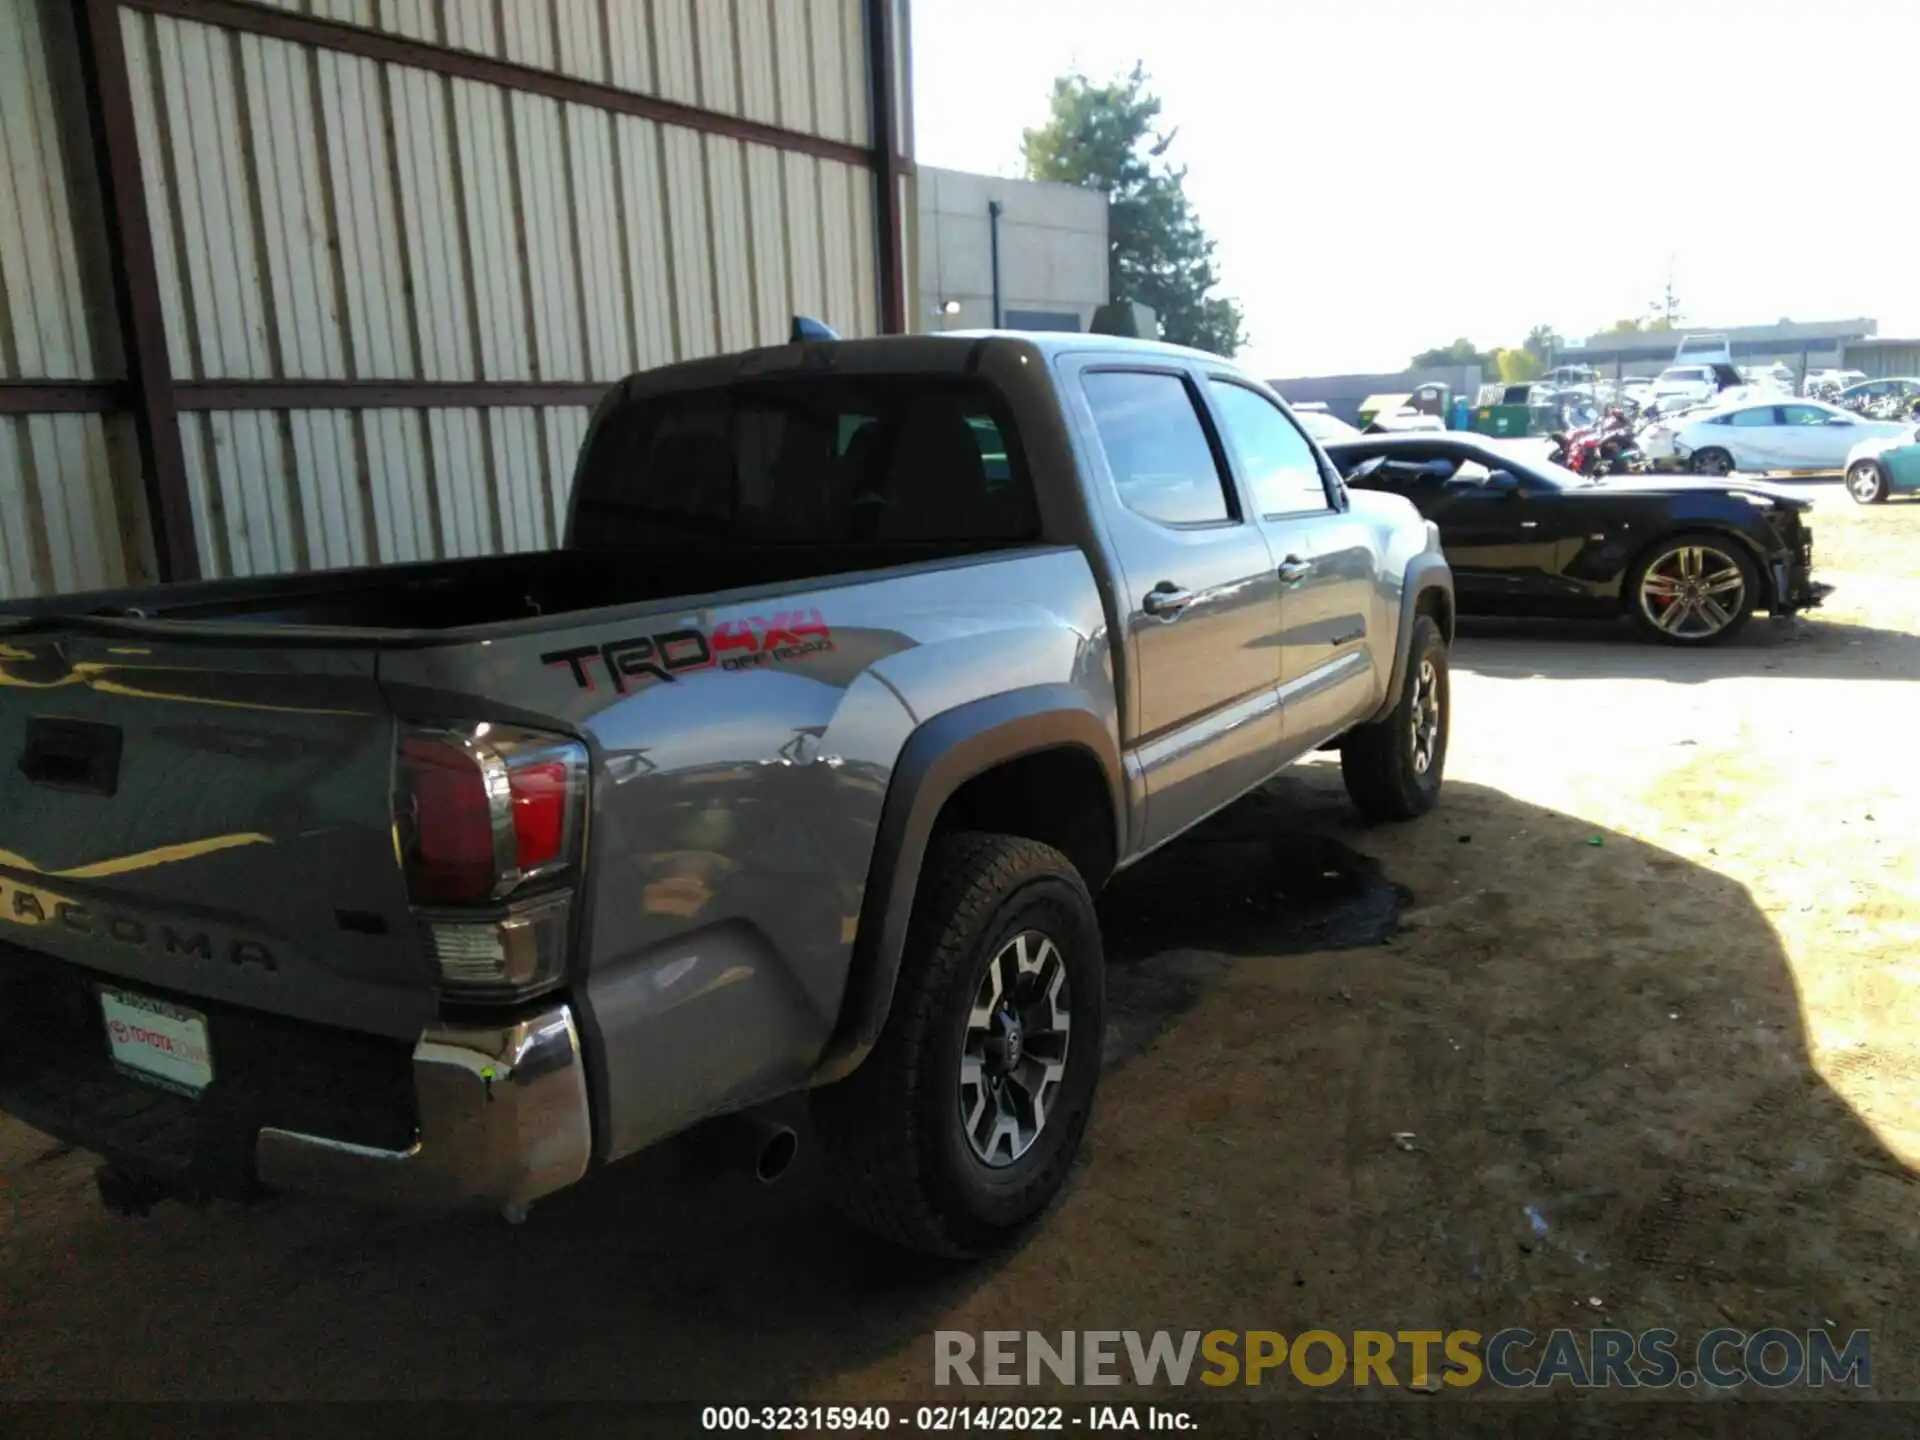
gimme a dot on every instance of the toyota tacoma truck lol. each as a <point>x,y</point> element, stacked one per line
<point>863,666</point>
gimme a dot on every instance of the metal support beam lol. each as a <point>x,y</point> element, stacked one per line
<point>890,167</point>
<point>252,18</point>
<point>194,395</point>
<point>106,91</point>
<point>61,397</point>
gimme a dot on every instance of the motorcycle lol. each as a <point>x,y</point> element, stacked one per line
<point>1609,448</point>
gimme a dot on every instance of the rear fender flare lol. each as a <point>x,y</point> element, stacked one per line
<point>937,759</point>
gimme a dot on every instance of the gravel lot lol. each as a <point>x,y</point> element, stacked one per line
<point>1646,975</point>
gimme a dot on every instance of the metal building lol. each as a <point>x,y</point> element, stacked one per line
<point>313,283</point>
<point>1013,254</point>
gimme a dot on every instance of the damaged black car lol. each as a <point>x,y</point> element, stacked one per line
<point>1690,560</point>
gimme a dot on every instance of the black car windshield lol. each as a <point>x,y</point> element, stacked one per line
<point>1456,461</point>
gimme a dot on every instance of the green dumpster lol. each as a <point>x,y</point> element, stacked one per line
<point>1502,410</point>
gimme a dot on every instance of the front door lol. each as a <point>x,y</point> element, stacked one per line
<point>1815,439</point>
<point>1324,559</point>
<point>1504,543</point>
<point>1201,593</point>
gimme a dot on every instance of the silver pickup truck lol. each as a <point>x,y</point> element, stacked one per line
<point>864,665</point>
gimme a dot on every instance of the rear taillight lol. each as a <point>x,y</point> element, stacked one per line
<point>491,823</point>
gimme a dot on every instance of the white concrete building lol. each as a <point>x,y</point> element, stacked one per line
<point>1052,249</point>
<point>295,284</point>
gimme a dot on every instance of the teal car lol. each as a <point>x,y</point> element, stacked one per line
<point>1884,465</point>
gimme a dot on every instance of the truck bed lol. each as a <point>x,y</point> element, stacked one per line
<point>494,590</point>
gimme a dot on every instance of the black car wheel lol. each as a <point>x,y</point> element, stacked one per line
<point>1693,589</point>
<point>1712,461</point>
<point>962,1125</point>
<point>1867,482</point>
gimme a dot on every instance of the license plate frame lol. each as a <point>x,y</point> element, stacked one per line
<point>156,1042</point>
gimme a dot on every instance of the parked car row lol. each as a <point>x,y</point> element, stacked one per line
<point>1791,435</point>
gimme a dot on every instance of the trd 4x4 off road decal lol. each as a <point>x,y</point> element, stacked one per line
<point>668,654</point>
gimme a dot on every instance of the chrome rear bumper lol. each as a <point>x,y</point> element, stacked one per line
<point>503,1116</point>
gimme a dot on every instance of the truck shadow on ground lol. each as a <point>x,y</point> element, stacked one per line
<point>1802,648</point>
<point>1601,1040</point>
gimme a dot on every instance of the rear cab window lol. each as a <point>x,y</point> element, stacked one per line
<point>808,461</point>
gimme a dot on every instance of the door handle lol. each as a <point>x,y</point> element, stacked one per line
<point>1293,570</point>
<point>1166,599</point>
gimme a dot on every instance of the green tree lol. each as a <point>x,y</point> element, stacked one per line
<point>1541,342</point>
<point>1517,367</point>
<point>1460,352</point>
<point>1103,137</point>
<point>1626,327</point>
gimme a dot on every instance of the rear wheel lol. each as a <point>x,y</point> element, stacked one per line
<point>962,1125</point>
<point>1393,767</point>
<point>1712,461</point>
<point>1693,589</point>
<point>1867,482</point>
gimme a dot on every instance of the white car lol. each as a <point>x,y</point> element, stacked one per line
<point>1825,384</point>
<point>1405,419</point>
<point>1807,435</point>
<point>1322,424</point>
<point>1710,349</point>
<point>1684,383</point>
<point>1776,376</point>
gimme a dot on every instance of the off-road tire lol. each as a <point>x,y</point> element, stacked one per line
<point>1377,760</point>
<point>897,1152</point>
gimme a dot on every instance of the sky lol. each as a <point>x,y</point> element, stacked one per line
<point>1383,176</point>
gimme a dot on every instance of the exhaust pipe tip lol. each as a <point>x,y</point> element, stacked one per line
<point>745,1143</point>
<point>777,1155</point>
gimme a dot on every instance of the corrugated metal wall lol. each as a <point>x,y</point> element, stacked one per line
<point>322,216</point>
<point>70,511</point>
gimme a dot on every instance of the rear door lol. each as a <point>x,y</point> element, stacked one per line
<point>1202,595</point>
<point>207,819</point>
<point>1758,440</point>
<point>1325,562</point>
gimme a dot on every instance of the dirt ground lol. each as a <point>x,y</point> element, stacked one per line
<point>1642,999</point>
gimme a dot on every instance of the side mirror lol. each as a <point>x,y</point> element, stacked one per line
<point>1502,482</point>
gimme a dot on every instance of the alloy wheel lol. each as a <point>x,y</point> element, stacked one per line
<point>1864,482</point>
<point>1712,463</point>
<point>1426,717</point>
<point>1015,1053</point>
<point>1693,592</point>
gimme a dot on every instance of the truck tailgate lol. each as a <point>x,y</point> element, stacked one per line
<point>210,819</point>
